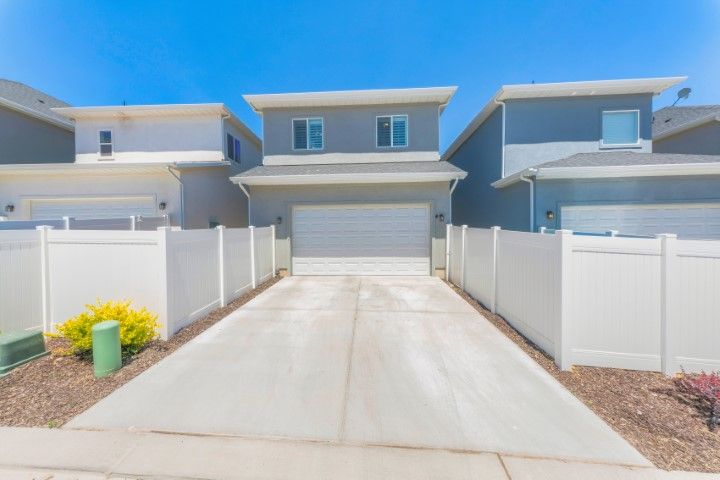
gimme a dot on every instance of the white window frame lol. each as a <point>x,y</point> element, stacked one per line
<point>392,123</point>
<point>112,144</point>
<point>307,134</point>
<point>619,145</point>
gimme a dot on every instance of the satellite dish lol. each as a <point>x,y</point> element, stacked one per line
<point>683,94</point>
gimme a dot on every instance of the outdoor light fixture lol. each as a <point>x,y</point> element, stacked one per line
<point>550,214</point>
<point>278,220</point>
<point>9,208</point>
<point>162,206</point>
<point>440,217</point>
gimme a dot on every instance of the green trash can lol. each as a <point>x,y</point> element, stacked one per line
<point>107,357</point>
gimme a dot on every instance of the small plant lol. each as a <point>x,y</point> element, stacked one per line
<point>53,424</point>
<point>706,387</point>
<point>137,327</point>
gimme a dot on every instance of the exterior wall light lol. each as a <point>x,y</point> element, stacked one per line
<point>162,206</point>
<point>550,215</point>
<point>9,208</point>
<point>440,217</point>
<point>278,220</point>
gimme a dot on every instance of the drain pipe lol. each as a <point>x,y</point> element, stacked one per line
<point>247,194</point>
<point>527,176</point>
<point>502,150</point>
<point>452,189</point>
<point>182,196</point>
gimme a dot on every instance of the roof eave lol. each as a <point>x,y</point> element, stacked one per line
<point>67,125</point>
<point>620,171</point>
<point>349,178</point>
<point>687,126</point>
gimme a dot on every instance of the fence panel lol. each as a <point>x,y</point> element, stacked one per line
<point>124,223</point>
<point>615,302</point>
<point>238,278</point>
<point>20,281</point>
<point>85,266</point>
<point>30,224</point>
<point>697,346</point>
<point>456,260</point>
<point>479,260</point>
<point>263,253</point>
<point>193,276</point>
<point>528,283</point>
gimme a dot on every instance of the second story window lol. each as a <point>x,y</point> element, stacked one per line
<point>392,131</point>
<point>106,146</point>
<point>308,134</point>
<point>233,148</point>
<point>620,127</point>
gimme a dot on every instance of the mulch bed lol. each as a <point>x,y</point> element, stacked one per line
<point>646,408</point>
<point>51,390</point>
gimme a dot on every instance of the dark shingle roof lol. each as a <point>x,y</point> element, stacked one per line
<point>353,168</point>
<point>620,159</point>
<point>32,99</point>
<point>669,118</point>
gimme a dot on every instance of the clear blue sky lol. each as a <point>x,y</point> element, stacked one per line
<point>104,53</point>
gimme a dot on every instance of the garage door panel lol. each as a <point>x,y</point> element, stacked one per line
<point>699,221</point>
<point>361,240</point>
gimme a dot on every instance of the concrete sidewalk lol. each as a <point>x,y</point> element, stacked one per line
<point>38,453</point>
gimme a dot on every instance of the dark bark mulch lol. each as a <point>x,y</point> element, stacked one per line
<point>51,390</point>
<point>668,427</point>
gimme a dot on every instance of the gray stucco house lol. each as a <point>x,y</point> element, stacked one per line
<point>694,129</point>
<point>30,131</point>
<point>579,156</point>
<point>353,180</point>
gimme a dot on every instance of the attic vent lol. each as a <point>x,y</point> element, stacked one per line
<point>41,101</point>
<point>667,120</point>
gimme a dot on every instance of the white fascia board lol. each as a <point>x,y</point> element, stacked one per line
<point>52,168</point>
<point>514,178</point>
<point>629,171</point>
<point>349,178</point>
<point>67,125</point>
<point>687,126</point>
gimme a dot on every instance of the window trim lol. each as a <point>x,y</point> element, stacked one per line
<point>112,144</point>
<point>620,145</point>
<point>307,134</point>
<point>392,123</point>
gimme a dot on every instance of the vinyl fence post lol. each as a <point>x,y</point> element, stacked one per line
<point>612,233</point>
<point>273,245</point>
<point>45,276</point>
<point>252,256</point>
<point>164,307</point>
<point>462,258</point>
<point>563,339</point>
<point>448,232</point>
<point>493,295</point>
<point>221,263</point>
<point>542,230</point>
<point>133,221</point>
<point>66,223</point>
<point>668,299</point>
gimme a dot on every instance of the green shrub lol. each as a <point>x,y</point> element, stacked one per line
<point>137,327</point>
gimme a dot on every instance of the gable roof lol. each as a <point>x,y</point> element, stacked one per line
<point>631,86</point>
<point>160,110</point>
<point>396,96</point>
<point>32,102</point>
<point>671,120</point>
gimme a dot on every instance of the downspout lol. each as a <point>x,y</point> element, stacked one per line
<point>452,189</point>
<point>502,149</point>
<point>247,194</point>
<point>182,196</point>
<point>527,176</point>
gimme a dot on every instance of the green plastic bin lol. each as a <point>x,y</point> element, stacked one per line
<point>20,347</point>
<point>107,356</point>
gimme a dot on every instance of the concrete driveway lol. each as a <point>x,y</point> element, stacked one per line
<point>382,361</point>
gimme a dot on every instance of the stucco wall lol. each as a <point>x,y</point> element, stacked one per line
<point>545,129</point>
<point>701,140</point>
<point>553,194</point>
<point>475,202</point>
<point>24,139</point>
<point>352,130</point>
<point>210,196</point>
<point>269,203</point>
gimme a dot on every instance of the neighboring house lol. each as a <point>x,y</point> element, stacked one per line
<point>30,131</point>
<point>146,160</point>
<point>352,180</point>
<point>579,156</point>
<point>693,129</point>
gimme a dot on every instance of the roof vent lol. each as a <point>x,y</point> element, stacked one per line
<point>41,100</point>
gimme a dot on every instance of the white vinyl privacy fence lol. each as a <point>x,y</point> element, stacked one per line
<point>635,303</point>
<point>47,276</point>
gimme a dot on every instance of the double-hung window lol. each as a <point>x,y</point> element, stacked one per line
<point>392,131</point>
<point>106,143</point>
<point>308,134</point>
<point>620,127</point>
<point>233,148</point>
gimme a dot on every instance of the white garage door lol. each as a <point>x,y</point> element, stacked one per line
<point>361,240</point>
<point>699,220</point>
<point>92,207</point>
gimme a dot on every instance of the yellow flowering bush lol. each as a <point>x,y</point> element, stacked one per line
<point>137,327</point>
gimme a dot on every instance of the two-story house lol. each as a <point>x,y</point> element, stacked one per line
<point>140,160</point>
<point>352,180</point>
<point>579,156</point>
<point>692,129</point>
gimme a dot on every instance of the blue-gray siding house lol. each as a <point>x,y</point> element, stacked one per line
<point>580,156</point>
<point>694,129</point>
